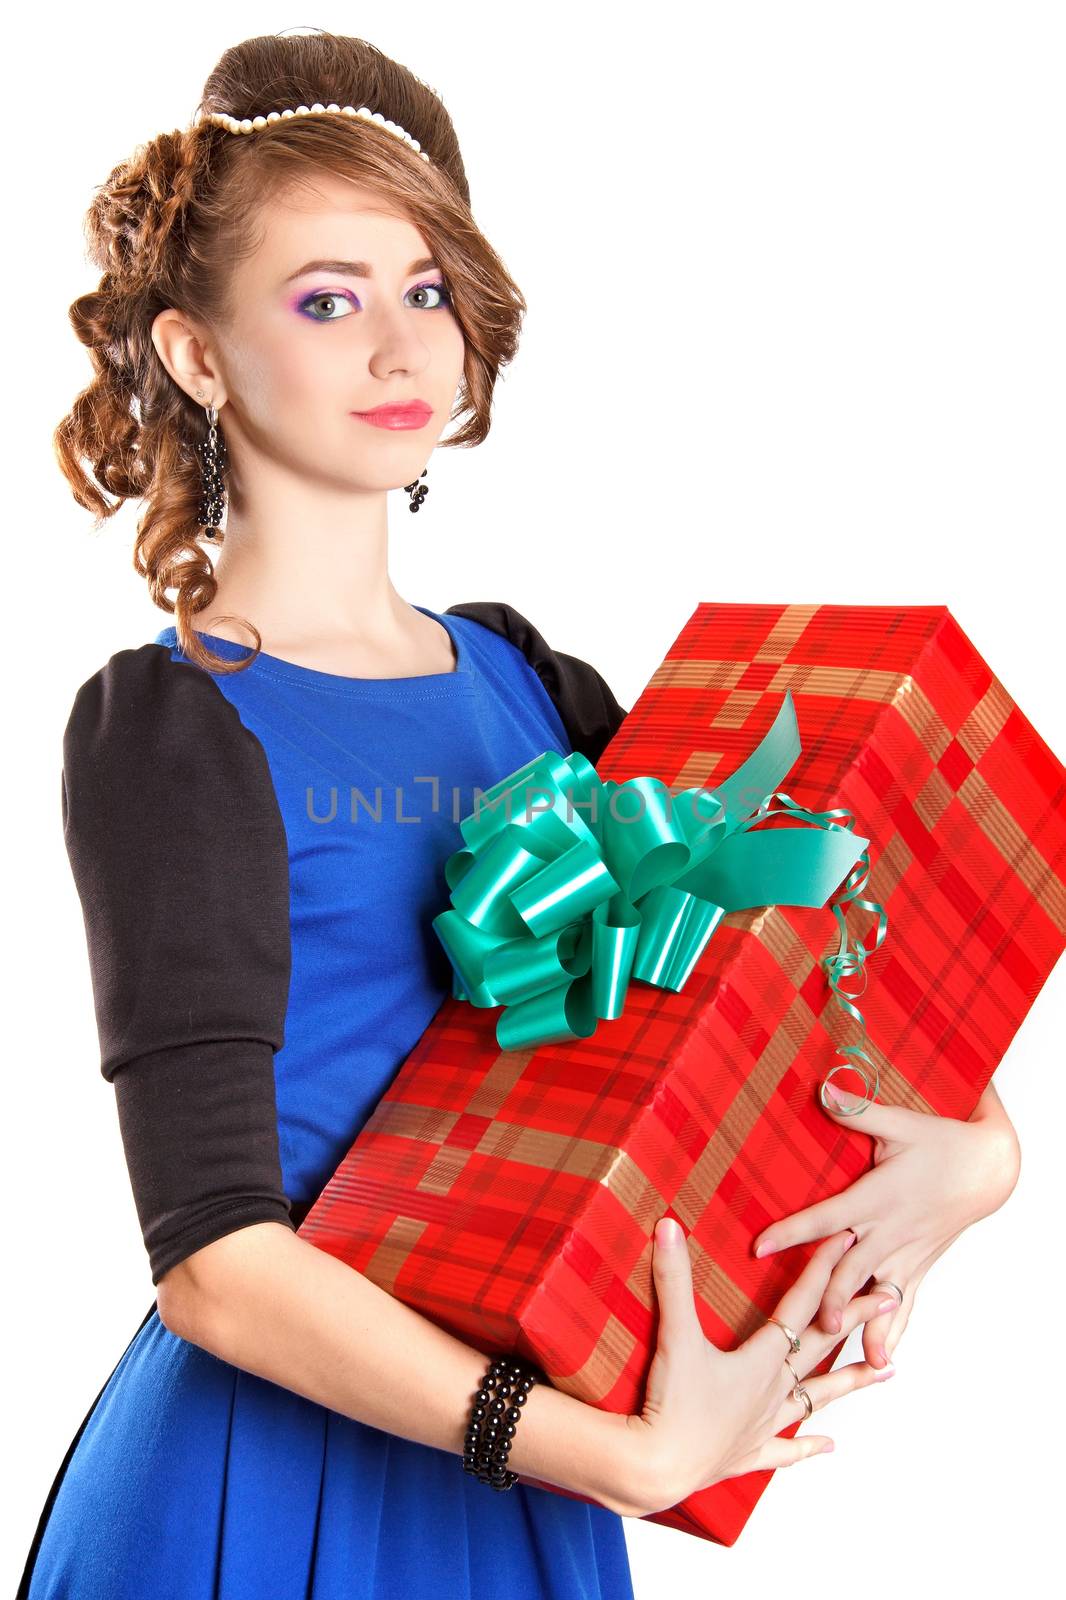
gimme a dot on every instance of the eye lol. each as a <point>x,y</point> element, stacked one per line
<point>329,298</point>
<point>444,298</point>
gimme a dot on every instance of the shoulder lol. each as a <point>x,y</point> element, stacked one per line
<point>142,701</point>
<point>581,695</point>
<point>161,778</point>
<point>553,666</point>
<point>154,736</point>
<point>503,619</point>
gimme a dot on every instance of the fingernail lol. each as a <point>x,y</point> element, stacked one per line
<point>667,1231</point>
<point>888,1305</point>
<point>841,1097</point>
<point>887,1372</point>
<point>767,1248</point>
<point>829,1445</point>
<point>834,1320</point>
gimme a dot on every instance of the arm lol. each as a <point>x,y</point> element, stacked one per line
<point>991,1114</point>
<point>269,1302</point>
<point>180,858</point>
<point>991,1106</point>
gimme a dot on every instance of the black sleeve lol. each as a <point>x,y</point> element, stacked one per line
<point>180,860</point>
<point>587,708</point>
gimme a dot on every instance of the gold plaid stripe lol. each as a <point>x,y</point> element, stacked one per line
<point>887,872</point>
<point>748,1104</point>
<point>736,1309</point>
<point>494,1088</point>
<point>391,1254</point>
<point>933,799</point>
<point>1016,848</point>
<point>839,683</point>
<point>443,1170</point>
<point>925,721</point>
<point>796,962</point>
<point>785,633</point>
<point>737,708</point>
<point>402,1120</point>
<point>696,769</point>
<point>985,722</point>
<point>697,674</point>
<point>510,1141</point>
<point>595,1379</point>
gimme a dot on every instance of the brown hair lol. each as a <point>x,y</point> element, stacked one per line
<point>164,230</point>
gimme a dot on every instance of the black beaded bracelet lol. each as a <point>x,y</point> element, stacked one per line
<point>493,1419</point>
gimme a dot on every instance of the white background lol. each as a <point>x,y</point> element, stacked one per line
<point>796,334</point>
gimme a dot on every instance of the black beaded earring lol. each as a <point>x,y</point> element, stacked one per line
<point>212,454</point>
<point>417,491</point>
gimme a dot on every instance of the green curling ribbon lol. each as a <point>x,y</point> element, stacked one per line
<point>570,886</point>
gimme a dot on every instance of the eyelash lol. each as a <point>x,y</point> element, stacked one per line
<point>343,294</point>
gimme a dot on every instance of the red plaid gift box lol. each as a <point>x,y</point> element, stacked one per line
<point>511,1195</point>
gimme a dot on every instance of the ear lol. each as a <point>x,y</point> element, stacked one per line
<point>183,352</point>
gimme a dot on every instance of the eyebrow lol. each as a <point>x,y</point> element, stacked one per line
<point>355,269</point>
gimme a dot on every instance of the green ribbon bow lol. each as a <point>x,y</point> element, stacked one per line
<point>558,903</point>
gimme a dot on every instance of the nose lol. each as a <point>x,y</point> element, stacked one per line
<point>399,345</point>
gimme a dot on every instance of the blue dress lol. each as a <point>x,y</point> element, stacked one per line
<point>192,1479</point>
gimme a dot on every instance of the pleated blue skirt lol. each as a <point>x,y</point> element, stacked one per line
<point>191,1479</point>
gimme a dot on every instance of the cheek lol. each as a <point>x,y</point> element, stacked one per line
<point>452,349</point>
<point>304,366</point>
<point>285,366</point>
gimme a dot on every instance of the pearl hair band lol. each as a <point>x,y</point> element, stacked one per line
<point>252,124</point>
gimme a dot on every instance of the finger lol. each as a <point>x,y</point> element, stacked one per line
<point>814,1222</point>
<point>826,1387</point>
<point>875,1338</point>
<point>672,1277</point>
<point>777,1452</point>
<point>897,1330</point>
<point>879,1339</point>
<point>897,1123</point>
<point>815,1344</point>
<point>846,1278</point>
<point>799,1303</point>
<point>876,1333</point>
<point>865,1309</point>
<point>860,1311</point>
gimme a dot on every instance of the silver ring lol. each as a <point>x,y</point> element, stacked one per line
<point>799,1393</point>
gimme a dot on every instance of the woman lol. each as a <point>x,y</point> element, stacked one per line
<point>284,321</point>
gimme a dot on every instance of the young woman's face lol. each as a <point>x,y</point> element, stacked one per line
<point>337,312</point>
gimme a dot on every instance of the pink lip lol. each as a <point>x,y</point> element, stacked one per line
<point>413,414</point>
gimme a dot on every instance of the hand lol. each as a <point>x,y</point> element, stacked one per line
<point>710,1414</point>
<point>932,1177</point>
